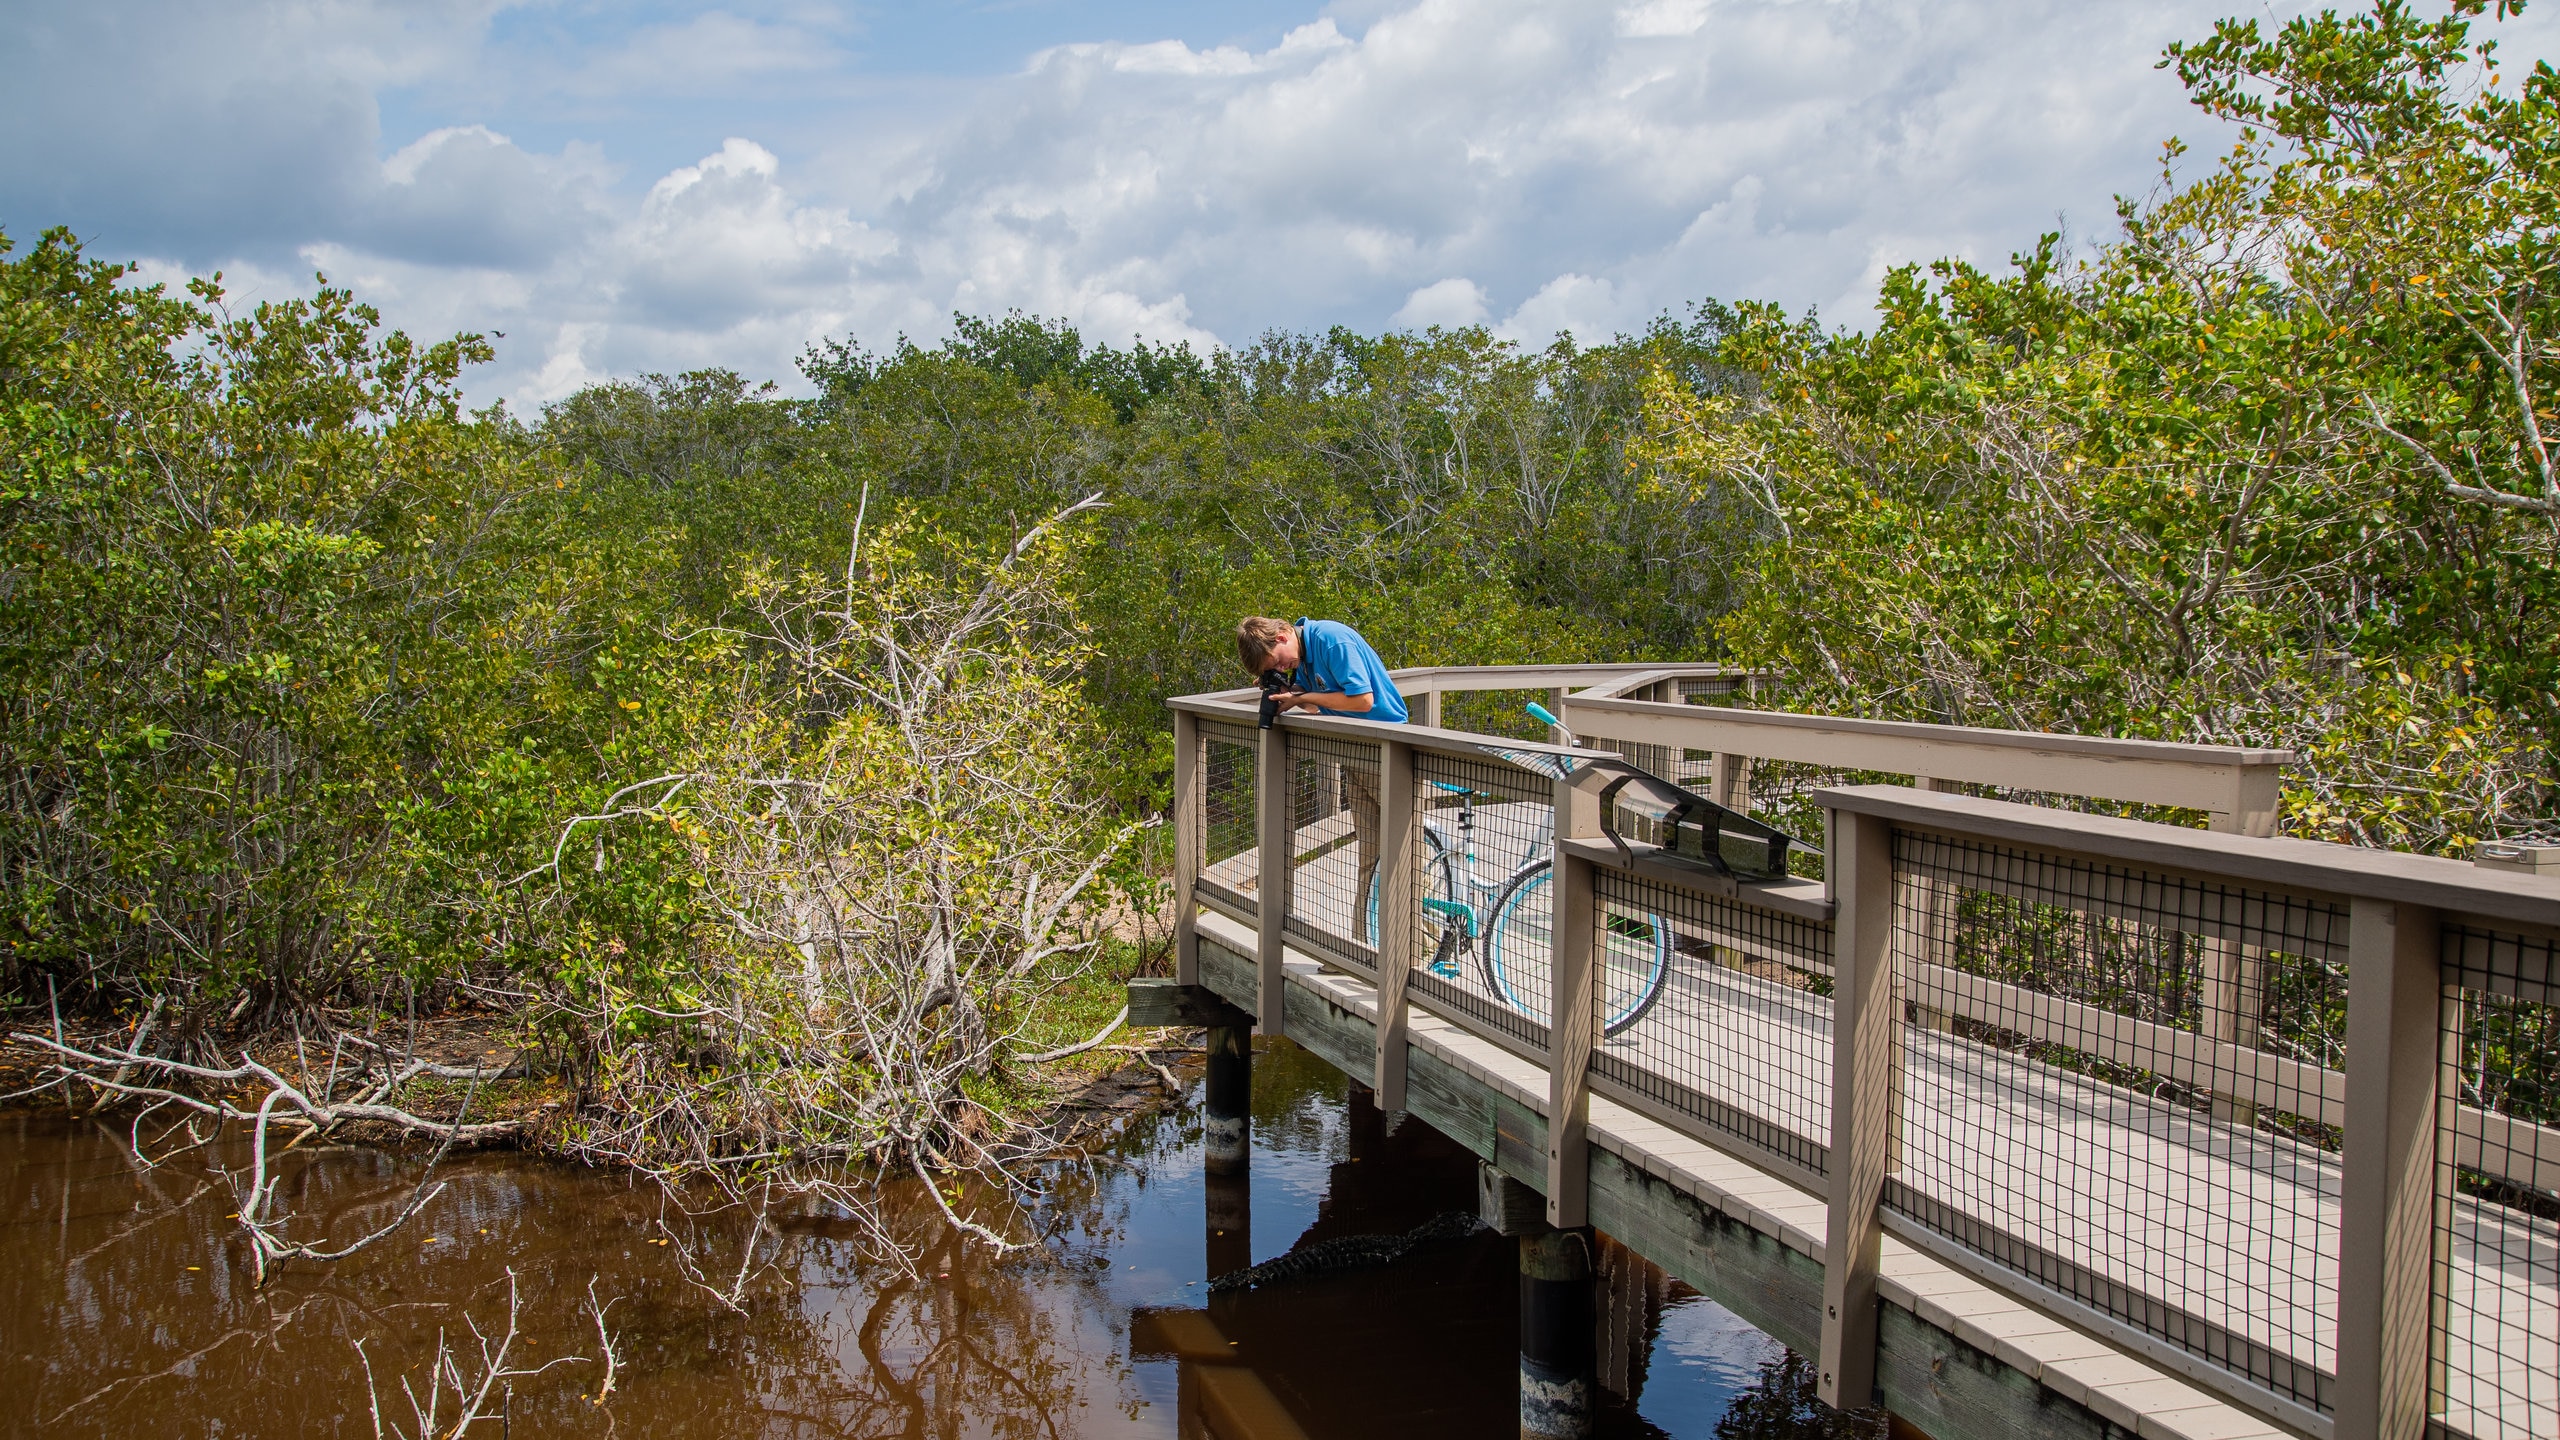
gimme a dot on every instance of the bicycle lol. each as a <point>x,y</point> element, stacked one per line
<point>1506,926</point>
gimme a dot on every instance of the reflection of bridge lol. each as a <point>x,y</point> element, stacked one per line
<point>2108,1142</point>
<point>1332,1354</point>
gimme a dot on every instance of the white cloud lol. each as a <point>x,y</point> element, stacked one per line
<point>1543,167</point>
<point>1451,303</point>
<point>1582,306</point>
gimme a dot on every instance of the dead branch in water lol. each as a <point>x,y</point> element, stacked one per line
<point>205,1092</point>
<point>445,1374</point>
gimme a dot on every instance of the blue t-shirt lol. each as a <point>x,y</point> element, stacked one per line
<point>1335,660</point>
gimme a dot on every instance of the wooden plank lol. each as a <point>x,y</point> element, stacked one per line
<point>1950,1390</point>
<point>1746,1271</point>
<point>1866,1027</point>
<point>1157,1003</point>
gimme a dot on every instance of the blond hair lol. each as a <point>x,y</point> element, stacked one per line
<point>1257,636</point>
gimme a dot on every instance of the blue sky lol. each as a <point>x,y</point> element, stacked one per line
<point>631,187</point>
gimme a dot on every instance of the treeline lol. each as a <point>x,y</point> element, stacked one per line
<point>309,668</point>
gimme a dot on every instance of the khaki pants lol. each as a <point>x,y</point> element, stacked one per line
<point>1360,793</point>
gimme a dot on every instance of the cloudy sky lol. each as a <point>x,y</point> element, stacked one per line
<point>623,186</point>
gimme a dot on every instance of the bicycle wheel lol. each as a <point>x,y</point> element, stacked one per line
<point>1440,882</point>
<point>1518,950</point>
<point>1518,953</point>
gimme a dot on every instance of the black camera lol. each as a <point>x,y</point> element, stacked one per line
<point>1273,682</point>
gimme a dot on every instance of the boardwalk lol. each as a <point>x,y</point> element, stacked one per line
<point>2232,1233</point>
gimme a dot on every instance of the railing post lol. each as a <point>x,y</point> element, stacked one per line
<point>2388,1186</point>
<point>2232,993</point>
<point>1398,818</point>
<point>1865,1028</point>
<point>1573,1012</point>
<point>1424,709</point>
<point>1274,829</point>
<point>1189,821</point>
<point>1731,787</point>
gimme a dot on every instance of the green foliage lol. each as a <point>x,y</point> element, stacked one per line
<point>268,594</point>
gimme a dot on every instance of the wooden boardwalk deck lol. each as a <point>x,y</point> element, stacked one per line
<point>2236,1229</point>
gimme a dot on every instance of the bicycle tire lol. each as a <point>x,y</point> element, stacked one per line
<point>1634,970</point>
<point>1435,862</point>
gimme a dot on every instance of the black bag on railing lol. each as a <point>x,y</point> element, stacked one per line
<point>1695,830</point>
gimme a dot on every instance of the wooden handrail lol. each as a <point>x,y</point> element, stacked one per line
<point>1371,732</point>
<point>2235,784</point>
<point>2314,867</point>
<point>1445,679</point>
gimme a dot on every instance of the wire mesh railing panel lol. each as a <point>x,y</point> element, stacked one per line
<point>1230,862</point>
<point>2087,1098</point>
<point>1717,1012</point>
<point>2497,1311</point>
<point>1482,869</point>
<point>1335,885</point>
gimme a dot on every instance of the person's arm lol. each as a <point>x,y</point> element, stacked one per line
<point>1330,700</point>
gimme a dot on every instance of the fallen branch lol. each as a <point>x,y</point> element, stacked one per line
<point>1107,1031</point>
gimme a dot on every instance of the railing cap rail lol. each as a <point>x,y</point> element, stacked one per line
<point>1243,711</point>
<point>2317,866</point>
<point>2095,746</point>
<point>1540,677</point>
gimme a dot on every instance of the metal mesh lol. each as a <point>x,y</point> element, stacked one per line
<point>1485,852</point>
<point>2498,1193</point>
<point>2086,1098</point>
<point>1230,863</point>
<point>1334,880</point>
<point>1737,1034</point>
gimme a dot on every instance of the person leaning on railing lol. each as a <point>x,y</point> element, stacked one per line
<point>1334,672</point>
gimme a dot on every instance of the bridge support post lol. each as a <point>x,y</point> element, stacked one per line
<point>1228,1122</point>
<point>2390,1185</point>
<point>1228,1104</point>
<point>1190,759</point>
<point>1274,830</point>
<point>1865,1029</point>
<point>1559,1366</point>
<point>1559,1352</point>
<point>1398,820</point>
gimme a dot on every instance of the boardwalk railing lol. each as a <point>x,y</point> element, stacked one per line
<point>2107,1066</point>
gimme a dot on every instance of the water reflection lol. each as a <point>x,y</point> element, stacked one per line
<point>127,1309</point>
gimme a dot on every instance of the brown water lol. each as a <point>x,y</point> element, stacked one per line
<point>128,1311</point>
